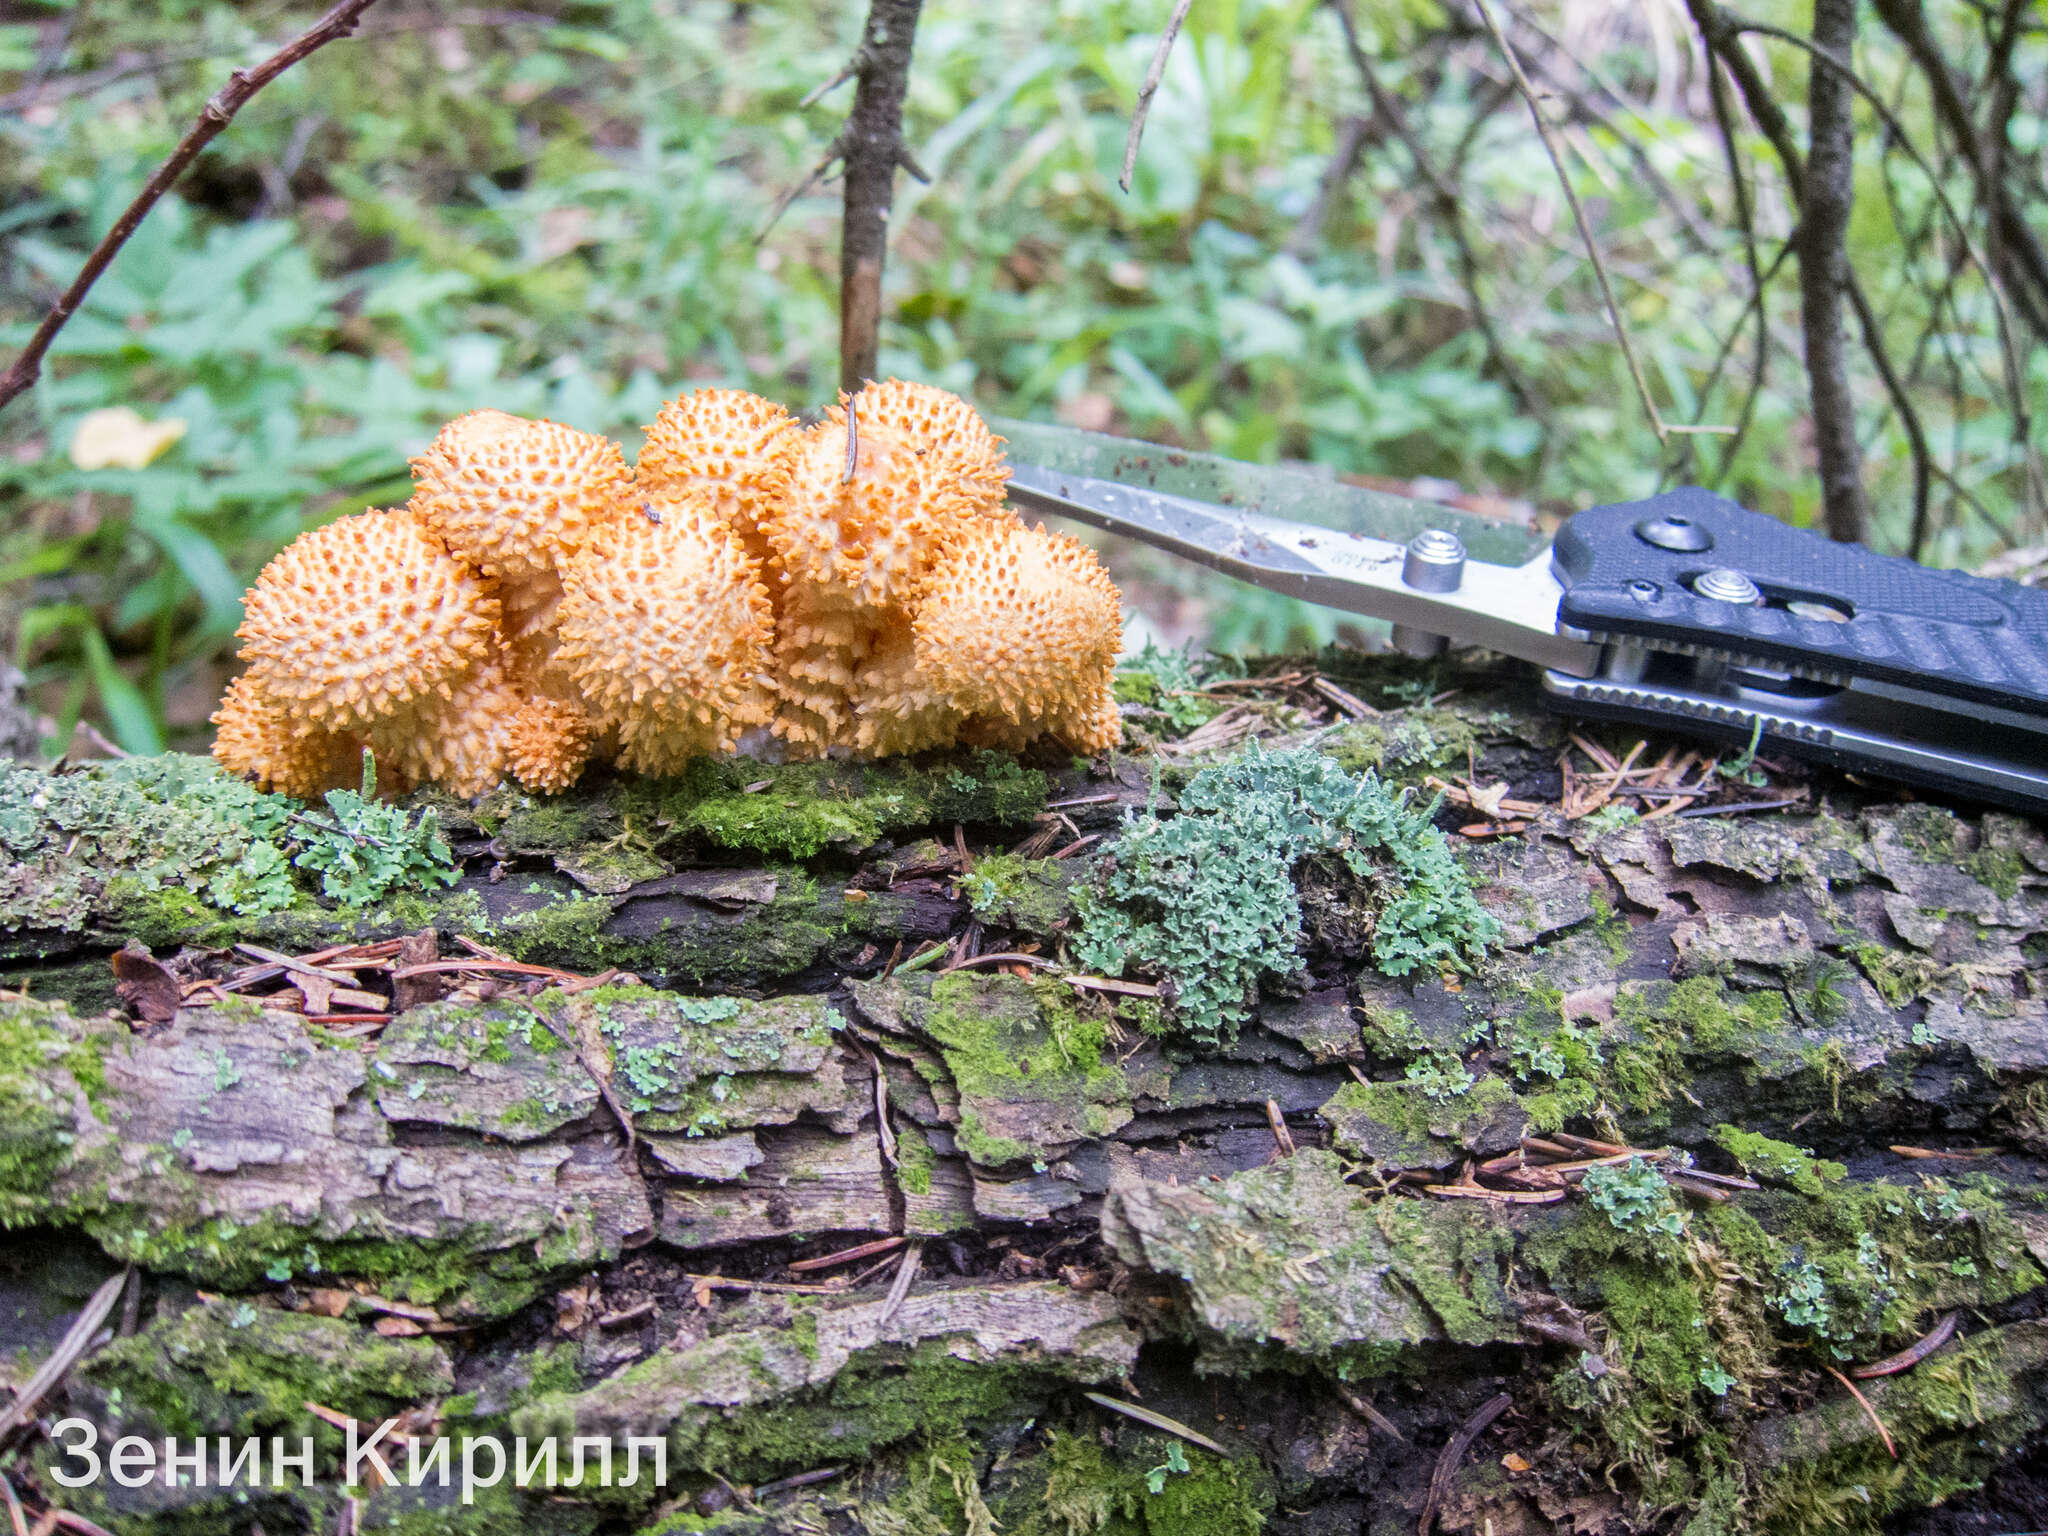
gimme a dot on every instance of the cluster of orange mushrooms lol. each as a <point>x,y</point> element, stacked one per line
<point>857,587</point>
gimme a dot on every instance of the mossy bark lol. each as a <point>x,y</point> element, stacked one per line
<point>1096,1206</point>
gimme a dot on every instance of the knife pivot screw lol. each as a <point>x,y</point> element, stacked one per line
<point>1645,591</point>
<point>1435,561</point>
<point>1680,535</point>
<point>1725,586</point>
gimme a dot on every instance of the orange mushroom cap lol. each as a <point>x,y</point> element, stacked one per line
<point>871,533</point>
<point>665,628</point>
<point>515,498</point>
<point>360,619</point>
<point>943,430</point>
<point>726,444</point>
<point>1021,624</point>
<point>257,740</point>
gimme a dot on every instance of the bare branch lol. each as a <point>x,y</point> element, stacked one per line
<point>215,116</point>
<point>1528,91</point>
<point>824,88</point>
<point>1745,211</point>
<point>1902,402</point>
<point>834,153</point>
<point>872,146</point>
<point>1154,73</point>
<point>1353,133</point>
<point>2009,229</point>
<point>1836,66</point>
<point>1449,208</point>
<point>1826,199</point>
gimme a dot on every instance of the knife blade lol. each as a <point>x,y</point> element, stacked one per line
<point>1683,611</point>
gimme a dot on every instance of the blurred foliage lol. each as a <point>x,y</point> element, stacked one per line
<point>558,210</point>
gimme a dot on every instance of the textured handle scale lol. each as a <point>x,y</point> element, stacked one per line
<point>1941,631</point>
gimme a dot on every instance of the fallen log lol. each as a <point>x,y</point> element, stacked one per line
<point>582,1213</point>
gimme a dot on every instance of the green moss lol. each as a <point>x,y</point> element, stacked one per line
<point>85,986</point>
<point>1035,895</point>
<point>1077,1487</point>
<point>1952,1418</point>
<point>1612,928</point>
<point>887,1398</point>
<point>2000,868</point>
<point>467,1275</point>
<point>1022,1056</point>
<point>1405,1124</point>
<point>778,937</point>
<point>42,1065</point>
<point>555,824</point>
<point>1661,1025</point>
<point>1779,1161</point>
<point>803,1329</point>
<point>170,848</point>
<point>1846,1270</point>
<point>1900,975</point>
<point>1390,1032</point>
<point>237,1369</point>
<point>1405,745</point>
<point>940,1495</point>
<point>805,808</point>
<point>915,1161</point>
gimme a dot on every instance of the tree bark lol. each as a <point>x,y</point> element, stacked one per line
<point>1830,195</point>
<point>444,1221</point>
<point>872,143</point>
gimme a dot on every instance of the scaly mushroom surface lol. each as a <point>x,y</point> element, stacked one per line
<point>856,587</point>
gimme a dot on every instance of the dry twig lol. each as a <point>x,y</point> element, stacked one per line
<point>69,1351</point>
<point>1454,1452</point>
<point>1912,1354</point>
<point>1662,428</point>
<point>1868,1411</point>
<point>217,114</point>
<point>1155,1420</point>
<point>1154,73</point>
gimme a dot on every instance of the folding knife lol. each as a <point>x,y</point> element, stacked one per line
<point>1683,611</point>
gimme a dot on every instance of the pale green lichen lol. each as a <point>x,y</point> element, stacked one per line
<point>113,837</point>
<point>1207,899</point>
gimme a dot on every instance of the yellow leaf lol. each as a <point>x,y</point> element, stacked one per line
<point>1515,1463</point>
<point>119,438</point>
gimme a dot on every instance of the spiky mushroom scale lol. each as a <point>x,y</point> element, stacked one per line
<point>727,445</point>
<point>665,627</point>
<point>361,618</point>
<point>895,706</point>
<point>547,744</point>
<point>462,742</point>
<point>256,739</point>
<point>516,498</point>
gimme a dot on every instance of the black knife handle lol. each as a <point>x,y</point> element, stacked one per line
<point>1943,632</point>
